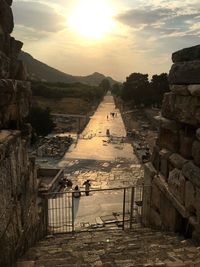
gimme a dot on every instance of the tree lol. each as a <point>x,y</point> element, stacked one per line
<point>136,88</point>
<point>159,85</point>
<point>41,120</point>
<point>105,84</point>
<point>116,89</point>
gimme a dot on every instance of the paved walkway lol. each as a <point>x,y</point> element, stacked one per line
<point>107,161</point>
<point>94,144</point>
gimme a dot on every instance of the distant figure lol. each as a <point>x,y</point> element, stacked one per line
<point>76,192</point>
<point>107,117</point>
<point>87,187</point>
<point>108,132</point>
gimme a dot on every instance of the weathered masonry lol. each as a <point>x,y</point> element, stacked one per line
<point>172,179</point>
<point>20,214</point>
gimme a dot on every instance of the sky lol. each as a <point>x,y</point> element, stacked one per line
<point>113,37</point>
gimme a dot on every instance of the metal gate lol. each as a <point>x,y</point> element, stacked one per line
<point>116,208</point>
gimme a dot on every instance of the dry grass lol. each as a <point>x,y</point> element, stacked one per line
<point>64,105</point>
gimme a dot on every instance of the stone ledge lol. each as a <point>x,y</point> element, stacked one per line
<point>185,73</point>
<point>187,54</point>
<point>164,187</point>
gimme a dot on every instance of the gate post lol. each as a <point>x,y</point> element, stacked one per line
<point>132,205</point>
<point>124,207</point>
<point>72,211</point>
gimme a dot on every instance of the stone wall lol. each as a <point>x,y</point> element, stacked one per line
<point>172,178</point>
<point>20,216</point>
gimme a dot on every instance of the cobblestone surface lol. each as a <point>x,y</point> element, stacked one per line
<point>139,247</point>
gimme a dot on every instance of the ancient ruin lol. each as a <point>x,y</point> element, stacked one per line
<point>172,179</point>
<point>20,215</point>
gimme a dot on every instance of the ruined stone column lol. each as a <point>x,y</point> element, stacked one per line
<point>175,196</point>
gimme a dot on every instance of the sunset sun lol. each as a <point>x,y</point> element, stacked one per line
<point>91,19</point>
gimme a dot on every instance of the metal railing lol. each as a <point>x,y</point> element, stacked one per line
<point>118,208</point>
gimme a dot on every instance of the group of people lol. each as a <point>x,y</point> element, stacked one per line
<point>68,183</point>
<point>77,192</point>
<point>112,115</point>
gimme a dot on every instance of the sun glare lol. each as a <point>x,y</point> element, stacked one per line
<point>91,19</point>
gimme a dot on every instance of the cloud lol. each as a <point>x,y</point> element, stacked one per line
<point>37,16</point>
<point>144,16</point>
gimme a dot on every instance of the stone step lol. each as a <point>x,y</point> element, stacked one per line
<point>140,247</point>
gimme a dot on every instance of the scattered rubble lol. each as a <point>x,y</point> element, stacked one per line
<point>53,146</point>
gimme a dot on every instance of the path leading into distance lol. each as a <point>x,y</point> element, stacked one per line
<point>94,144</point>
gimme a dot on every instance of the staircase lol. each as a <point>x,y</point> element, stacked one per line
<point>140,247</point>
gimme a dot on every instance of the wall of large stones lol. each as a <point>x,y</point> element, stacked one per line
<point>20,217</point>
<point>175,164</point>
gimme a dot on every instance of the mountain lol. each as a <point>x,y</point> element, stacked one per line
<point>40,71</point>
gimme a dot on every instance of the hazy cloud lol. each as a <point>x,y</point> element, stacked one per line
<point>37,16</point>
<point>144,16</point>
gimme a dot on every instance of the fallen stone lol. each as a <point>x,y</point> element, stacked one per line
<point>187,54</point>
<point>177,161</point>
<point>185,73</point>
<point>179,89</point>
<point>166,123</point>
<point>194,89</point>
<point>192,173</point>
<point>168,105</point>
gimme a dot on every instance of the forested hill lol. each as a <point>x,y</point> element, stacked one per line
<point>39,71</point>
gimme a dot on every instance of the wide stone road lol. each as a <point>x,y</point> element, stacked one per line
<point>107,161</point>
<point>94,144</point>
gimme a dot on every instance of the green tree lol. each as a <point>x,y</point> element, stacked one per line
<point>41,120</point>
<point>116,89</point>
<point>136,88</point>
<point>105,84</point>
<point>159,85</point>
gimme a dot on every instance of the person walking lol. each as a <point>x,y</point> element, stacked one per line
<point>87,187</point>
<point>76,192</point>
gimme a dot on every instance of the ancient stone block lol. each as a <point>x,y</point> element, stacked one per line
<point>15,47</point>
<point>185,148</point>
<point>192,173</point>
<point>156,195</point>
<point>149,173</point>
<point>168,104</point>
<point>177,161</point>
<point>198,134</point>
<point>155,218</point>
<point>185,73</point>
<point>166,123</point>
<point>194,89</point>
<point>9,2</point>
<point>169,140</point>
<point>6,17</point>
<point>176,183</point>
<point>190,197</point>
<point>4,66</point>
<point>187,54</point>
<point>185,108</point>
<point>14,102</point>
<point>164,162</point>
<point>18,70</point>
<point>178,89</point>
<point>196,152</point>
